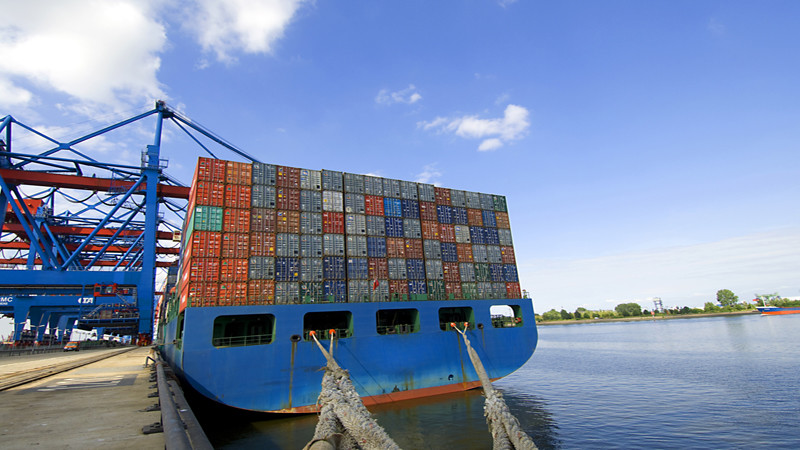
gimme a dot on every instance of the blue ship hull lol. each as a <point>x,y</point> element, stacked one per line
<point>285,374</point>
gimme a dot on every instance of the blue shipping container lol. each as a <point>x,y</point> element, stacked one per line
<point>477,235</point>
<point>449,252</point>
<point>489,219</point>
<point>287,269</point>
<point>333,267</point>
<point>460,216</point>
<point>510,273</point>
<point>335,290</point>
<point>394,227</point>
<point>410,209</point>
<point>357,268</point>
<point>445,213</point>
<point>392,207</point>
<point>415,269</point>
<point>376,247</point>
<point>417,287</point>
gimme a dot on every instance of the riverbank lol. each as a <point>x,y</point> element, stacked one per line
<point>643,318</point>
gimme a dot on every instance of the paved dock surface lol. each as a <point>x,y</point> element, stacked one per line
<point>99,405</point>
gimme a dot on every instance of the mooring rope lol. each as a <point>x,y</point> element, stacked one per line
<point>505,428</point>
<point>344,421</point>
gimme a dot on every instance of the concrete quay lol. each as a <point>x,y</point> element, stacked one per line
<point>98,405</point>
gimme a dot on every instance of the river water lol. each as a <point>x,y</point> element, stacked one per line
<point>721,382</point>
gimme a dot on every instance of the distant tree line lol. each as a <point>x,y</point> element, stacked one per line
<point>727,301</point>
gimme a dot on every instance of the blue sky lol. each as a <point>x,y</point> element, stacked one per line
<point>647,149</point>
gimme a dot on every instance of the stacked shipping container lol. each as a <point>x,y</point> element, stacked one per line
<point>266,234</point>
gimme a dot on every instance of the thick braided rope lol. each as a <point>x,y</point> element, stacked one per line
<point>342,411</point>
<point>505,428</point>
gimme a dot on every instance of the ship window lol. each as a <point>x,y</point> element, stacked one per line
<point>506,316</point>
<point>322,322</point>
<point>179,331</point>
<point>236,331</point>
<point>457,316</point>
<point>398,321</point>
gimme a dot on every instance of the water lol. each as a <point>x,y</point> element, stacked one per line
<point>723,382</point>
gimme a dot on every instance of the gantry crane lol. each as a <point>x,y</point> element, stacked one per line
<point>87,244</point>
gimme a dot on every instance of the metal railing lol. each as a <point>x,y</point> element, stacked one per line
<point>240,341</point>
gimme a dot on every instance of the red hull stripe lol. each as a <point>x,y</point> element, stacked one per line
<point>394,396</point>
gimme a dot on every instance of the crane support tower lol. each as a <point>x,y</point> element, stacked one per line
<point>87,244</point>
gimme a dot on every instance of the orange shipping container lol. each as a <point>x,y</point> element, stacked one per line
<point>475,217</point>
<point>262,220</point>
<point>464,252</point>
<point>447,233</point>
<point>232,293</point>
<point>236,220</point>
<point>210,170</point>
<point>262,244</point>
<point>513,290</point>
<point>237,196</point>
<point>507,254</point>
<point>204,244</point>
<point>288,221</point>
<point>442,196</point>
<point>427,211</point>
<point>502,219</point>
<point>287,177</point>
<point>454,289</point>
<point>414,248</point>
<point>430,230</point>
<point>233,269</point>
<point>235,245</point>
<point>238,173</point>
<point>261,292</point>
<point>395,248</point>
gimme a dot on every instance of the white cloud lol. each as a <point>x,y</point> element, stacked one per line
<point>103,53</point>
<point>429,174</point>
<point>495,132</point>
<point>408,95</point>
<point>490,144</point>
<point>250,26</point>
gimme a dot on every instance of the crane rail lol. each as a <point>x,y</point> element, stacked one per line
<point>14,379</point>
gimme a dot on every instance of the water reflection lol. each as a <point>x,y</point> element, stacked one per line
<point>445,421</point>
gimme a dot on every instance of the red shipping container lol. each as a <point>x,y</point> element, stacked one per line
<point>374,205</point>
<point>262,220</point>
<point>475,217</point>
<point>204,244</point>
<point>288,221</point>
<point>232,293</point>
<point>238,173</point>
<point>237,196</point>
<point>203,294</point>
<point>414,248</point>
<point>447,233</point>
<point>210,170</point>
<point>507,253</point>
<point>378,268</point>
<point>454,289</point>
<point>207,193</point>
<point>235,245</point>
<point>398,287</point>
<point>287,177</point>
<point>513,291</point>
<point>287,199</point>
<point>332,222</point>
<point>451,272</point>
<point>464,252</point>
<point>442,196</point>
<point>261,292</point>
<point>430,230</point>
<point>427,211</point>
<point>233,269</point>
<point>236,220</point>
<point>502,219</point>
<point>262,244</point>
<point>395,248</point>
<point>204,269</point>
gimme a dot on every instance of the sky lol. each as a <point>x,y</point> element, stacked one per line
<point>646,149</point>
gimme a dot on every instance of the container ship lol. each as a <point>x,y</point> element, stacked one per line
<point>379,267</point>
